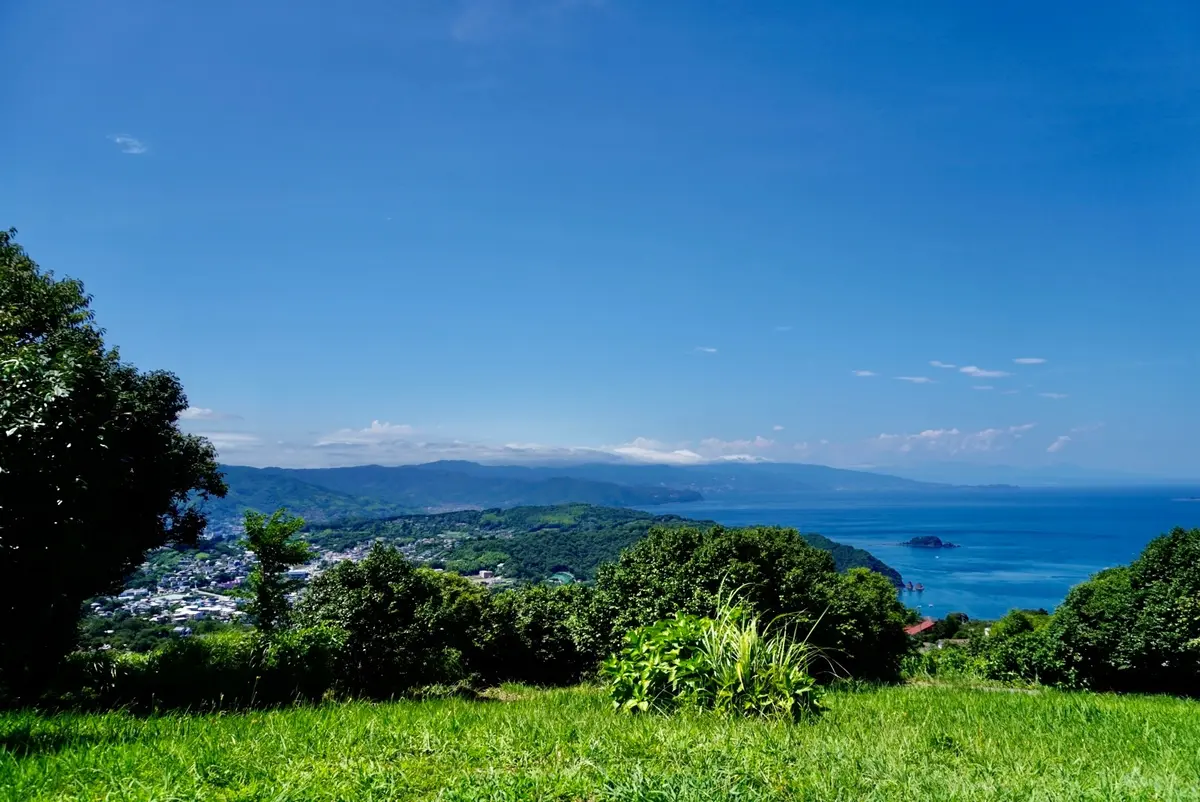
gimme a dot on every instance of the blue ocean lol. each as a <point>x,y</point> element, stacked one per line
<point>1020,548</point>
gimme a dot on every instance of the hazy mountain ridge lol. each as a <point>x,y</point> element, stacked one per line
<point>714,479</point>
<point>373,491</point>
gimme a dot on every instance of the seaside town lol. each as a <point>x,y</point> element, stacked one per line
<point>210,585</point>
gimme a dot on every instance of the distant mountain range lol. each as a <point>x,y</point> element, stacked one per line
<point>711,481</point>
<point>1059,475</point>
<point>373,491</point>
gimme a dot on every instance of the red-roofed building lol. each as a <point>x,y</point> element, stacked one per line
<point>916,629</point>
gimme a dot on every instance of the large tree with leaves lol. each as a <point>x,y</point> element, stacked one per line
<point>94,470</point>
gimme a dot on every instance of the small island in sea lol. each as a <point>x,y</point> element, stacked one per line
<point>929,542</point>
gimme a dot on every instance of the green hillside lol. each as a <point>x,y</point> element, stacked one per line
<point>370,491</point>
<point>534,542</point>
<point>897,743</point>
<point>267,489</point>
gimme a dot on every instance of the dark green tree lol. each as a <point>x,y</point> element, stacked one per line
<point>533,634</point>
<point>403,626</point>
<point>94,470</point>
<point>273,542</point>
<point>1137,628</point>
<point>855,618</point>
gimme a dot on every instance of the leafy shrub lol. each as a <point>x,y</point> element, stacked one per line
<point>948,661</point>
<point>404,626</point>
<point>301,664</point>
<point>1137,628</point>
<point>862,630</point>
<point>855,618</point>
<point>1027,656</point>
<point>232,669</point>
<point>727,663</point>
<point>534,635</point>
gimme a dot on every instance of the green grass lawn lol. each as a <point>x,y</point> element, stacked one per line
<point>905,743</point>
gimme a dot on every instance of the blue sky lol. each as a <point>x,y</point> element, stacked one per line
<point>666,230</point>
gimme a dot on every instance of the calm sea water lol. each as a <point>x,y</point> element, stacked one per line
<point>1019,548</point>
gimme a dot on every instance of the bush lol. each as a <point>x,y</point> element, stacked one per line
<point>535,635</point>
<point>404,626</point>
<point>1134,628</point>
<point>727,663</point>
<point>1137,628</point>
<point>233,669</point>
<point>856,619</point>
<point>948,661</point>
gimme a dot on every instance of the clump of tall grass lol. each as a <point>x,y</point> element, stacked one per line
<point>732,662</point>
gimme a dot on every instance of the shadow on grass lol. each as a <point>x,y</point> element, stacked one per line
<point>25,740</point>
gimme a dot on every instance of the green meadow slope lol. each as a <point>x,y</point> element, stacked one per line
<point>894,743</point>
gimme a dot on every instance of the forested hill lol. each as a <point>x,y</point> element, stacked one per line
<point>371,491</point>
<point>534,542</point>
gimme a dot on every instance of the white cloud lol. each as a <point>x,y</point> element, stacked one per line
<point>1029,360</point>
<point>916,379</point>
<point>1059,443</point>
<point>1087,427</point>
<point>777,428</point>
<point>375,433</point>
<point>204,413</point>
<point>127,144</point>
<point>983,387</point>
<point>864,373</point>
<point>1055,396</point>
<point>980,373</point>
<point>939,364</point>
<point>641,453</point>
<point>1010,392</point>
<point>952,440</point>
<point>783,328</point>
<point>928,439</point>
<point>705,349</point>
<point>232,441</point>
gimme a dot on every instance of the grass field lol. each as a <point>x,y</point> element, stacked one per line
<point>903,743</point>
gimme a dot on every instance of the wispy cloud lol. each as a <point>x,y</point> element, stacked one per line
<point>983,387</point>
<point>939,364</point>
<point>1059,443</point>
<point>232,441</point>
<point>783,328</point>
<point>952,441</point>
<point>1010,392</point>
<point>1029,360</point>
<point>705,349</point>
<point>916,379</point>
<point>864,373</point>
<point>204,413</point>
<point>1055,396</point>
<point>717,445</point>
<point>127,144</point>
<point>375,433</point>
<point>1087,427</point>
<point>980,373</point>
<point>777,428</point>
